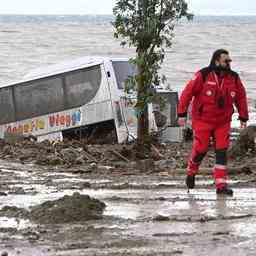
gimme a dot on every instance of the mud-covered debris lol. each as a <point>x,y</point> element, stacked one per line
<point>223,233</point>
<point>165,164</point>
<point>245,143</point>
<point>14,212</point>
<point>68,209</point>
<point>8,230</point>
<point>119,159</point>
<point>31,235</point>
<point>17,191</point>
<point>70,155</point>
<point>246,170</point>
<point>173,234</point>
<point>86,185</point>
<point>51,160</point>
<point>145,165</point>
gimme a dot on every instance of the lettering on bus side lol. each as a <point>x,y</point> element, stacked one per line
<point>57,120</point>
<point>65,120</point>
<point>28,127</point>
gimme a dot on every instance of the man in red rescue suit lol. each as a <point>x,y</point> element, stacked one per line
<point>213,92</point>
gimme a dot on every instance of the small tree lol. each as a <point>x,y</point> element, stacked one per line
<point>148,26</point>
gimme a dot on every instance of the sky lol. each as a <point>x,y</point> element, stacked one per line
<point>213,7</point>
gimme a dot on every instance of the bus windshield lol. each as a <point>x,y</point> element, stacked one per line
<point>123,70</point>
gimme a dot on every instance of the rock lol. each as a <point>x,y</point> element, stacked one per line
<point>3,194</point>
<point>161,218</point>
<point>92,167</point>
<point>4,254</point>
<point>68,209</point>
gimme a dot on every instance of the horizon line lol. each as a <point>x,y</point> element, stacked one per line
<point>109,14</point>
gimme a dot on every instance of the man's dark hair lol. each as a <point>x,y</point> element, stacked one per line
<point>216,55</point>
<point>212,67</point>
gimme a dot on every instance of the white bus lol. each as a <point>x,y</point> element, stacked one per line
<point>69,97</point>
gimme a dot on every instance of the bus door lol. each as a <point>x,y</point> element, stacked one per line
<point>125,103</point>
<point>123,70</point>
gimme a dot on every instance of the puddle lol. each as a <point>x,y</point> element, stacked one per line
<point>128,218</point>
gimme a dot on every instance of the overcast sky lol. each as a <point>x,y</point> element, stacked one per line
<point>215,7</point>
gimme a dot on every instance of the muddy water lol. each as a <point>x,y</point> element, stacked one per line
<point>145,215</point>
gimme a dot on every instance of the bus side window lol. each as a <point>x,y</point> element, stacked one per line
<point>82,86</point>
<point>6,106</point>
<point>39,97</point>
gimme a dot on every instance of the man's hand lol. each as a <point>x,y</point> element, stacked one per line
<point>182,121</point>
<point>243,125</point>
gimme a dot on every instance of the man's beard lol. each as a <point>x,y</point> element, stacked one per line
<point>220,69</point>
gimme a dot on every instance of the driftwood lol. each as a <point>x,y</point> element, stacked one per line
<point>156,152</point>
<point>244,144</point>
<point>90,157</point>
<point>120,156</point>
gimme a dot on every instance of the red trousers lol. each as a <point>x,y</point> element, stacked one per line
<point>203,132</point>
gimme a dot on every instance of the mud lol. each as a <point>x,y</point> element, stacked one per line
<point>67,210</point>
<point>145,211</point>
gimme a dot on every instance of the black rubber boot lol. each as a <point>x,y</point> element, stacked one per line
<point>224,191</point>
<point>190,181</point>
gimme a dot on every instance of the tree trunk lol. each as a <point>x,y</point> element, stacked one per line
<point>143,138</point>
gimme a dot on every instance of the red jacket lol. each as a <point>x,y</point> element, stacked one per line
<point>205,92</point>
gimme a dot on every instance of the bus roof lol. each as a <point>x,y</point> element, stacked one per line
<point>63,67</point>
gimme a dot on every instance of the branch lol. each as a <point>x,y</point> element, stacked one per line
<point>159,28</point>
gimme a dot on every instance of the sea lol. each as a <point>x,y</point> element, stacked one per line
<point>28,42</point>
